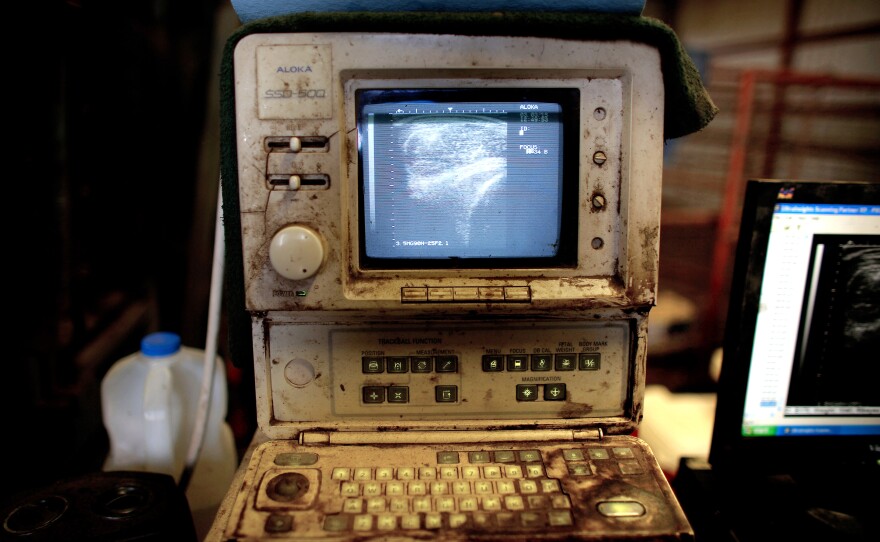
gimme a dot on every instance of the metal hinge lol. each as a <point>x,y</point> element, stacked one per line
<point>449,437</point>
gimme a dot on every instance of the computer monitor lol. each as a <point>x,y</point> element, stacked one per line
<point>800,369</point>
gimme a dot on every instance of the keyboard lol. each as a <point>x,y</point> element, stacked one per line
<point>467,491</point>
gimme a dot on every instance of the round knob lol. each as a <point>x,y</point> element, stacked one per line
<point>296,252</point>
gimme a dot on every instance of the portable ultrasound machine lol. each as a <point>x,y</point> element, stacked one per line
<point>449,254</point>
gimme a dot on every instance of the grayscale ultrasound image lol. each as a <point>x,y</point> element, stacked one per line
<point>455,164</point>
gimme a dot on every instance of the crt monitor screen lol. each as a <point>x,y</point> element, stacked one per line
<point>478,178</point>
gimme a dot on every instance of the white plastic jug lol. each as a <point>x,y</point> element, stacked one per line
<point>149,402</point>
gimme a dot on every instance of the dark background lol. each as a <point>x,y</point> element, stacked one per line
<point>111,219</point>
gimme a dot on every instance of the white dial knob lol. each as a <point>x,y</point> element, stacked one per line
<point>296,252</point>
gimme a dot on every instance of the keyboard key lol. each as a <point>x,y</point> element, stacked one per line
<point>457,521</point>
<point>439,488</point>
<point>433,521</point>
<point>410,521</point>
<point>526,392</point>
<point>538,502</point>
<point>528,456</point>
<point>447,458</point>
<point>350,489</point>
<point>371,365</point>
<point>398,505</point>
<point>448,473</point>
<point>528,486</point>
<point>386,522</point>
<point>444,504</point>
<point>376,505</point>
<point>461,487</point>
<point>580,469</point>
<point>623,452</point>
<point>573,455</point>
<point>514,502</point>
<point>398,394</point>
<point>483,487</point>
<point>517,362</point>
<point>336,523</point>
<point>506,520</point>
<point>483,521</point>
<point>493,363</point>
<point>492,471</point>
<point>513,471</point>
<point>535,471</point>
<point>598,453</point>
<point>541,362</point>
<point>418,488</point>
<point>505,456</point>
<point>505,487</point>
<point>468,504</point>
<point>447,364</point>
<point>549,485</point>
<point>372,489</point>
<point>353,506</point>
<point>559,518</point>
<point>554,392</point>
<point>374,394</point>
<point>422,364</point>
<point>296,459</point>
<point>446,394</point>
<point>565,362</point>
<point>560,501</point>
<point>478,457</point>
<point>395,487</point>
<point>589,361</point>
<point>397,364</point>
<point>491,502</point>
<point>341,473</point>
<point>532,520</point>
<point>362,522</point>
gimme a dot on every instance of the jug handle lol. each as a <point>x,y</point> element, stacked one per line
<point>158,444</point>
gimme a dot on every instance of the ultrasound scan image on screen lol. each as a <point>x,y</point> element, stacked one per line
<point>839,334</point>
<point>462,179</point>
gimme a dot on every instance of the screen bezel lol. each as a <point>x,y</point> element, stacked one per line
<point>730,450</point>
<point>569,102</point>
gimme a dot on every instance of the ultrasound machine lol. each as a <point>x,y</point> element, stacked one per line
<point>448,242</point>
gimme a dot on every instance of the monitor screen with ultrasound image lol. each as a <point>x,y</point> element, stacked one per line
<point>469,178</point>
<point>800,365</point>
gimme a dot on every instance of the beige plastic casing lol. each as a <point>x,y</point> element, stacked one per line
<point>295,120</point>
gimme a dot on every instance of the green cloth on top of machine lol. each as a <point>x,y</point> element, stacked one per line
<point>688,106</point>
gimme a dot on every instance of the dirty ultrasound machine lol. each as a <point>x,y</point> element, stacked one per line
<point>450,250</point>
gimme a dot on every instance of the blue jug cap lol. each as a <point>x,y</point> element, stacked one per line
<point>159,344</point>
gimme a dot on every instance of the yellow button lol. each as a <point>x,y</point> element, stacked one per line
<point>492,292</point>
<point>517,293</point>
<point>466,294</point>
<point>413,295</point>
<point>440,294</point>
<point>621,509</point>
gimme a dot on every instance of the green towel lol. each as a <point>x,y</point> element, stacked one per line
<point>688,106</point>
